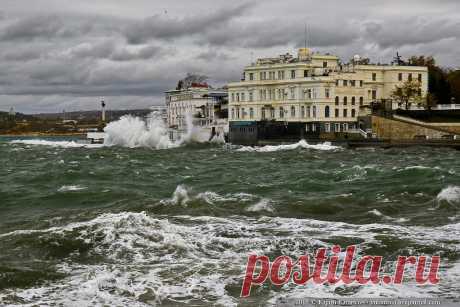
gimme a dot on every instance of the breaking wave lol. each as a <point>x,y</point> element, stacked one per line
<point>302,144</point>
<point>61,144</point>
<point>451,194</point>
<point>153,260</point>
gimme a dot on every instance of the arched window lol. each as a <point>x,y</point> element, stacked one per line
<point>336,100</point>
<point>345,100</point>
<point>353,112</point>
<point>326,111</point>
<point>233,113</point>
<point>251,113</point>
<point>302,111</point>
<point>243,113</point>
<point>292,111</point>
<point>263,113</point>
<point>281,112</point>
<point>361,101</point>
<point>308,111</point>
<point>314,111</point>
<point>353,100</point>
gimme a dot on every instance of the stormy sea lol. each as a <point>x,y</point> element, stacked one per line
<point>143,221</point>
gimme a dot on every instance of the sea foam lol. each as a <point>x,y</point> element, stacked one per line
<point>302,144</point>
<point>451,194</point>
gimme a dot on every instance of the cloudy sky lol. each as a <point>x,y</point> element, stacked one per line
<point>65,54</point>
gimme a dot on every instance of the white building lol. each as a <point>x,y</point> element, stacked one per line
<point>313,91</point>
<point>206,107</point>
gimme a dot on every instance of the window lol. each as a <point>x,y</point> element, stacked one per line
<point>327,127</point>
<point>309,93</point>
<point>263,113</point>
<point>419,91</point>
<point>251,76</point>
<point>292,91</point>
<point>251,113</point>
<point>251,96</point>
<point>374,94</point>
<point>345,111</point>
<point>345,100</point>
<point>279,94</point>
<point>305,73</point>
<point>419,77</point>
<point>353,112</point>
<point>272,113</point>
<point>242,97</point>
<point>237,112</point>
<point>353,100</point>
<point>237,96</point>
<point>361,83</point>
<point>326,111</point>
<point>233,96</point>
<point>243,113</point>
<point>400,77</point>
<point>337,82</point>
<point>233,113</point>
<point>361,101</point>
<point>409,77</point>
<point>352,83</point>
<point>374,76</point>
<point>292,74</point>
<point>337,113</point>
<point>292,111</point>
<point>337,127</point>
<point>314,111</point>
<point>327,92</point>
<point>336,100</point>
<point>280,75</point>
<point>345,82</point>
<point>324,64</point>
<point>302,111</point>
<point>261,76</point>
<point>281,112</point>
<point>308,111</point>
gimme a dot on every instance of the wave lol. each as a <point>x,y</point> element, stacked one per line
<point>263,205</point>
<point>150,260</point>
<point>451,194</point>
<point>61,144</point>
<point>133,132</point>
<point>377,213</point>
<point>70,188</point>
<point>302,144</point>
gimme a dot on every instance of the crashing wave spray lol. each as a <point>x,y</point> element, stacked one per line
<point>132,132</point>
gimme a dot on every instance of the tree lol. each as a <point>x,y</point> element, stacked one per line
<point>438,83</point>
<point>407,93</point>
<point>454,81</point>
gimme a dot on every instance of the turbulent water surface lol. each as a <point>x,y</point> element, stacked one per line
<point>90,224</point>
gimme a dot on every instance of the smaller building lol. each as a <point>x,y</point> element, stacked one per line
<point>198,105</point>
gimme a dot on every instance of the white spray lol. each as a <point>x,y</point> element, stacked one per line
<point>130,131</point>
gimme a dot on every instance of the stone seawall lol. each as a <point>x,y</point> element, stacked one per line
<point>386,128</point>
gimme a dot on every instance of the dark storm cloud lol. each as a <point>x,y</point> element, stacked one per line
<point>162,26</point>
<point>134,51</point>
<point>415,30</point>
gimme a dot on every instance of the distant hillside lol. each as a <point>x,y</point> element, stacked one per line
<point>94,115</point>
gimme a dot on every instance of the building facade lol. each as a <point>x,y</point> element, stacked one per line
<point>313,92</point>
<point>206,107</point>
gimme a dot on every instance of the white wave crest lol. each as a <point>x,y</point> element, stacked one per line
<point>302,144</point>
<point>69,188</point>
<point>130,131</point>
<point>61,144</point>
<point>263,205</point>
<point>154,260</point>
<point>451,194</point>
